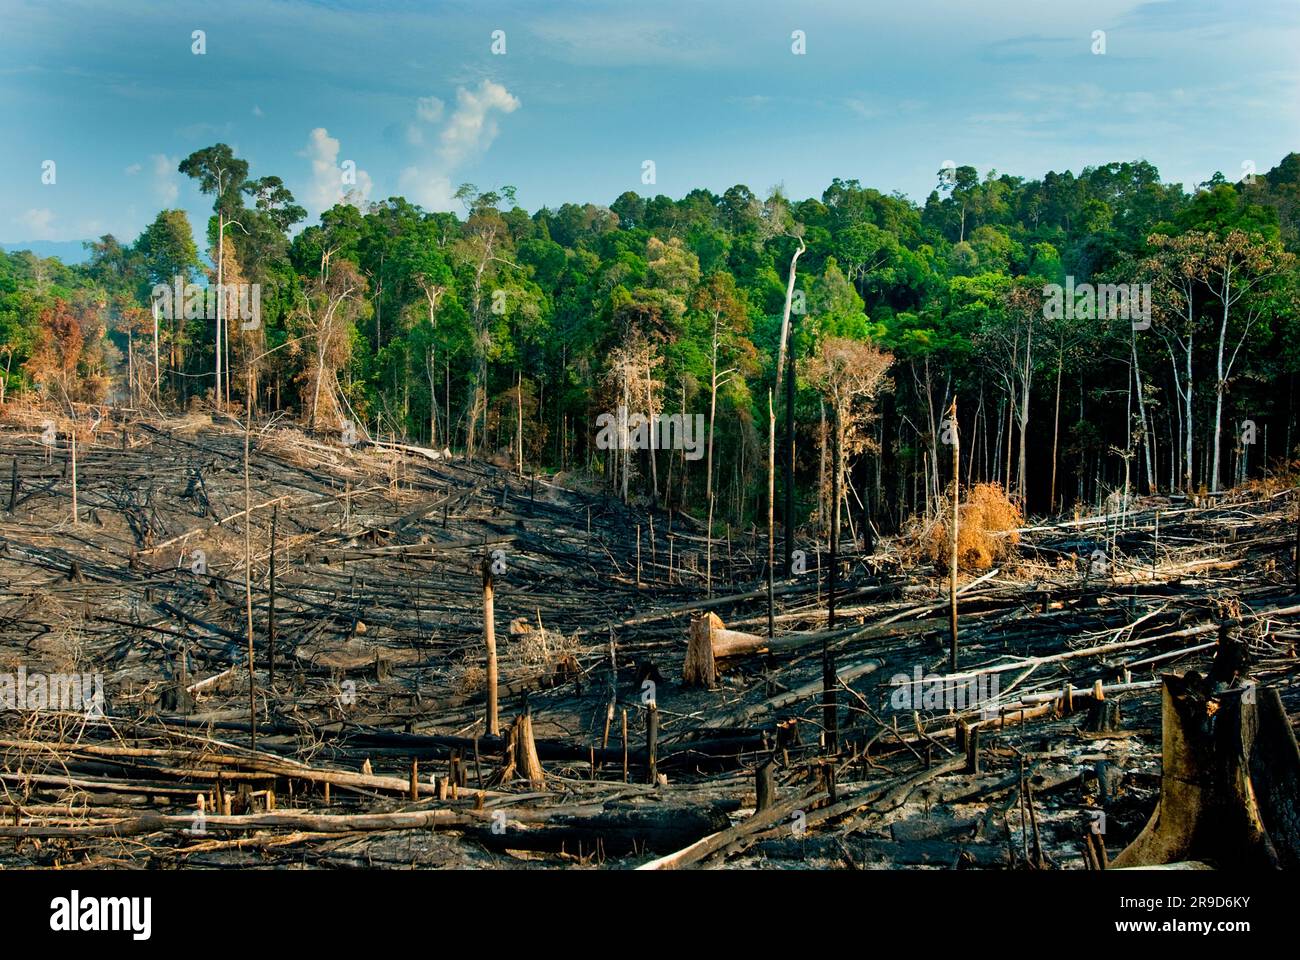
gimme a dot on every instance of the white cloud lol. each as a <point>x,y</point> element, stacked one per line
<point>472,127</point>
<point>257,111</point>
<point>39,223</point>
<point>133,169</point>
<point>468,131</point>
<point>166,179</point>
<point>327,186</point>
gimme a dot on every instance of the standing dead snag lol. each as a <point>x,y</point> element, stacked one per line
<point>765,786</point>
<point>1230,778</point>
<point>270,603</point>
<point>248,587</point>
<point>73,434</point>
<point>490,642</point>
<point>1297,541</point>
<point>771,529</point>
<point>652,740</point>
<point>521,758</point>
<point>952,560</point>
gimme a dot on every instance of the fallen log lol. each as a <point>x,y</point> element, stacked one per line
<point>615,828</point>
<point>760,821</point>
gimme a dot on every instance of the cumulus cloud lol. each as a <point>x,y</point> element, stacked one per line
<point>327,175</point>
<point>472,126</point>
<point>468,131</point>
<point>166,179</point>
<point>133,169</point>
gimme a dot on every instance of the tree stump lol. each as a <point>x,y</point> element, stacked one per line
<point>1103,717</point>
<point>710,641</point>
<point>521,758</point>
<point>765,786</point>
<point>1231,775</point>
<point>699,669</point>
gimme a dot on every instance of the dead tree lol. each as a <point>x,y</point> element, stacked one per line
<point>490,644</point>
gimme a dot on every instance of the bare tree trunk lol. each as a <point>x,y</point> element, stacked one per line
<point>771,528</point>
<point>1142,416</point>
<point>781,365</point>
<point>157,371</point>
<point>74,473</point>
<point>713,408</point>
<point>1187,439</point>
<point>1219,386</point>
<point>829,711</point>
<point>1056,425</point>
<point>1026,374</point>
<point>821,468</point>
<point>490,643</point>
<point>221,260</point>
<point>248,583</point>
<point>952,560</point>
<point>651,412</point>
<point>1006,480</point>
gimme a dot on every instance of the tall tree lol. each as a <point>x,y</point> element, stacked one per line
<point>220,173</point>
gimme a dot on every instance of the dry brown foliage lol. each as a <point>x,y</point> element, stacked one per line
<point>985,531</point>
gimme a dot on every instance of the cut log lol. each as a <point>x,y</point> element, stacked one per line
<point>710,641</point>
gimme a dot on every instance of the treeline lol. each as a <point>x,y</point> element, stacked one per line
<point>500,333</point>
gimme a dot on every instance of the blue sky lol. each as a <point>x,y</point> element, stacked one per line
<point>586,91</point>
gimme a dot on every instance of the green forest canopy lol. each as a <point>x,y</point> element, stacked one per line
<point>479,330</point>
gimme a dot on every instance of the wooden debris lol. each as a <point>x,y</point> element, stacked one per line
<point>521,761</point>
<point>377,725</point>
<point>709,641</point>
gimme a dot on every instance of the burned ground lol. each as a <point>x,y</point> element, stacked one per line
<point>370,746</point>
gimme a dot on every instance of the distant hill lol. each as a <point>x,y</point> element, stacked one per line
<point>69,251</point>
